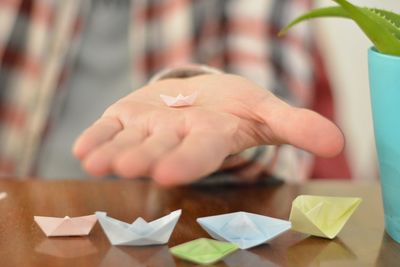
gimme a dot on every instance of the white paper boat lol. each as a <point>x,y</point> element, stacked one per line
<point>55,226</point>
<point>179,101</point>
<point>140,232</point>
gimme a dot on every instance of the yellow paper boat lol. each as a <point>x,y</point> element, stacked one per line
<point>322,216</point>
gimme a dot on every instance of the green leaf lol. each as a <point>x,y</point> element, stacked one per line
<point>375,27</point>
<point>390,20</point>
<point>382,27</point>
<point>395,18</point>
<point>335,11</point>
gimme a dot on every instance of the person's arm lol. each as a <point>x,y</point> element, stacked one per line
<point>141,136</point>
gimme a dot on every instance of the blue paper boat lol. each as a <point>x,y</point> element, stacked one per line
<point>244,229</point>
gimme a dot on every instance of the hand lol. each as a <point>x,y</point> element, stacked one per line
<point>140,136</point>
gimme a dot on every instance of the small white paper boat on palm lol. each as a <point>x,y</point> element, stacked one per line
<point>179,100</point>
<point>140,232</point>
<point>66,226</point>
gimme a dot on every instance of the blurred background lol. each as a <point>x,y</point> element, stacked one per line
<point>344,50</point>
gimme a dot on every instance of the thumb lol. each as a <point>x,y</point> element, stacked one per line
<point>302,128</point>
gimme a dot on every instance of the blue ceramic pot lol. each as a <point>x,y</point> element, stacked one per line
<point>384,79</point>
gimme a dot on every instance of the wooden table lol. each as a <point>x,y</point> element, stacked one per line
<point>362,242</point>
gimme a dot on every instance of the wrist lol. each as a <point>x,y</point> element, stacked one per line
<point>184,71</point>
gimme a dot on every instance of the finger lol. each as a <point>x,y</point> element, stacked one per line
<point>100,132</point>
<point>99,161</point>
<point>138,161</point>
<point>302,128</point>
<point>198,155</point>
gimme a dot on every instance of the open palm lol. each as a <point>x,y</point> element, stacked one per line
<point>140,136</point>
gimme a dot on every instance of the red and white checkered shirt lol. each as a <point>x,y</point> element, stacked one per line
<point>39,39</point>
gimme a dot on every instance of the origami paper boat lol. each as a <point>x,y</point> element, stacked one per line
<point>77,226</point>
<point>322,216</point>
<point>140,232</point>
<point>179,101</point>
<point>203,250</point>
<point>244,229</point>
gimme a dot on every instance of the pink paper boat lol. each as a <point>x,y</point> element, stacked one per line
<point>179,101</point>
<point>77,226</point>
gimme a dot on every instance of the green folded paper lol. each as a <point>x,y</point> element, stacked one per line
<point>203,250</point>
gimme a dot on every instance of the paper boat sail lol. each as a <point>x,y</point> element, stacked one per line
<point>140,232</point>
<point>55,226</point>
<point>179,101</point>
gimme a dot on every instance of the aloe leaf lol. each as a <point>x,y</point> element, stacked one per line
<point>395,18</point>
<point>383,39</point>
<point>335,11</point>
<point>390,20</point>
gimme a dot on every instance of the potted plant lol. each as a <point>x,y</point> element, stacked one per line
<point>382,27</point>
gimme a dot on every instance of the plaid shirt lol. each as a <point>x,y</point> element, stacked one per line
<point>39,40</point>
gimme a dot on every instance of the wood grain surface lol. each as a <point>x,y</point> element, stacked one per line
<point>362,242</point>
